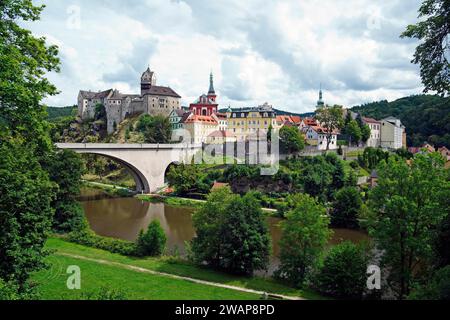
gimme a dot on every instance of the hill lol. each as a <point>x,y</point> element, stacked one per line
<point>59,112</point>
<point>426,117</point>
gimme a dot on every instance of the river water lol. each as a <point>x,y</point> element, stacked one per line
<point>123,218</point>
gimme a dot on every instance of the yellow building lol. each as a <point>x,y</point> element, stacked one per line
<point>246,122</point>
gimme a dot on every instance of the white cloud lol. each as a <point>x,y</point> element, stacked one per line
<point>259,51</point>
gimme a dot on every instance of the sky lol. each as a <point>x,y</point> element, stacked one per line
<point>278,52</point>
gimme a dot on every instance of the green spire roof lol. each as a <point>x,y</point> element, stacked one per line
<point>211,84</point>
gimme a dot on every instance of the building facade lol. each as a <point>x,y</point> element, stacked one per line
<point>375,132</point>
<point>153,99</point>
<point>206,104</point>
<point>246,122</point>
<point>392,132</point>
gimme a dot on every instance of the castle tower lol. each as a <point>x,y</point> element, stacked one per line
<point>211,92</point>
<point>320,102</point>
<point>148,79</point>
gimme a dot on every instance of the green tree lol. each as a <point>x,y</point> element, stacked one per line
<point>304,236</point>
<point>365,132</point>
<point>432,53</point>
<point>438,288</point>
<point>155,129</point>
<point>26,191</point>
<point>24,61</point>
<point>353,131</point>
<point>65,168</point>
<point>408,204</point>
<point>331,119</point>
<point>343,273</point>
<point>291,139</point>
<point>153,241</point>
<point>346,208</point>
<point>232,233</point>
<point>25,213</point>
<point>188,179</point>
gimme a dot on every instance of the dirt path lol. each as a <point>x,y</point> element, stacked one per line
<point>209,283</point>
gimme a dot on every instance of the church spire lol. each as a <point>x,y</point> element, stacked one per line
<point>211,84</point>
<point>320,102</point>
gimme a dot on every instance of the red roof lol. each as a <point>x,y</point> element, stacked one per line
<point>198,118</point>
<point>370,120</point>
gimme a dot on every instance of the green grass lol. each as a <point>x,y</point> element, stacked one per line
<point>133,284</point>
<point>182,268</point>
<point>172,201</point>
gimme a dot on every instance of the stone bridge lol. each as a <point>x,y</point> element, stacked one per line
<point>147,163</point>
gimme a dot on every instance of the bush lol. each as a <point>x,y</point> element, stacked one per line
<point>346,208</point>
<point>343,273</point>
<point>90,239</point>
<point>436,289</point>
<point>105,293</point>
<point>152,242</point>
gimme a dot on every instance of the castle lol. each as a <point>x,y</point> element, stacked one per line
<point>153,99</point>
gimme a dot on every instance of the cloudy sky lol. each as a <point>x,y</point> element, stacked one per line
<point>274,51</point>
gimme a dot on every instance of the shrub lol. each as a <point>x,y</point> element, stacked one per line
<point>436,289</point>
<point>152,242</point>
<point>346,208</point>
<point>90,239</point>
<point>343,273</point>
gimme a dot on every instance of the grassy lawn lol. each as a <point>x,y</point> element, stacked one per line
<point>133,284</point>
<point>172,266</point>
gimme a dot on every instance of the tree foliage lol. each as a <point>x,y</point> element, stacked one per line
<point>65,168</point>
<point>304,235</point>
<point>331,119</point>
<point>231,233</point>
<point>408,204</point>
<point>153,241</point>
<point>433,51</point>
<point>343,273</point>
<point>291,139</point>
<point>346,208</point>
<point>156,129</point>
<point>25,213</point>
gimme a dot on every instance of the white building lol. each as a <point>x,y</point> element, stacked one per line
<point>316,135</point>
<point>200,127</point>
<point>392,131</point>
<point>222,120</point>
<point>375,132</point>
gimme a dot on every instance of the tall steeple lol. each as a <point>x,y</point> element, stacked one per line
<point>320,102</point>
<point>211,84</point>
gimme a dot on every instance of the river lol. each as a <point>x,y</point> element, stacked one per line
<point>123,218</point>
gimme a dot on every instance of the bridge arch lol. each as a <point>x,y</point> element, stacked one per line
<point>146,162</point>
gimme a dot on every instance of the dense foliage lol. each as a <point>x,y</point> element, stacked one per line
<point>25,189</point>
<point>343,273</point>
<point>156,129</point>
<point>304,235</point>
<point>291,139</point>
<point>432,53</point>
<point>331,119</point>
<point>346,208</point>
<point>65,169</point>
<point>153,241</point>
<point>231,233</point>
<point>408,204</point>
<point>426,117</point>
<point>25,213</point>
<point>56,113</point>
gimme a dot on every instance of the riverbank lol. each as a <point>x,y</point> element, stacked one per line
<point>65,253</point>
<point>184,202</point>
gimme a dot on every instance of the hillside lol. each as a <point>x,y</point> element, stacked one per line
<point>426,117</point>
<point>59,112</point>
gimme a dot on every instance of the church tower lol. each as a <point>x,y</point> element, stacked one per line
<point>211,92</point>
<point>148,79</point>
<point>320,102</point>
